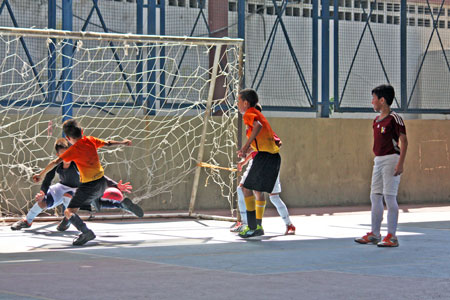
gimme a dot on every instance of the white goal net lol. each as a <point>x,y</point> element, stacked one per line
<point>174,97</point>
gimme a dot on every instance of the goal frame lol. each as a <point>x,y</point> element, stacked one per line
<point>217,43</point>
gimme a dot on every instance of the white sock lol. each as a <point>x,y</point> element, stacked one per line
<point>34,211</point>
<point>281,208</point>
<point>241,204</point>
<point>377,212</point>
<point>392,215</point>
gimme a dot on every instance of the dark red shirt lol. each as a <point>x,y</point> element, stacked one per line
<point>386,133</point>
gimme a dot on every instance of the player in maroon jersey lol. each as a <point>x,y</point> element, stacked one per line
<point>390,145</point>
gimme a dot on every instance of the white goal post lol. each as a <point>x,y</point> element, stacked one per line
<point>174,97</point>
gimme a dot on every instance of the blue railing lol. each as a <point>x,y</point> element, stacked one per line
<point>146,86</point>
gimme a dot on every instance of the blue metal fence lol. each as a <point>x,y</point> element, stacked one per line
<point>366,49</point>
<point>392,58</point>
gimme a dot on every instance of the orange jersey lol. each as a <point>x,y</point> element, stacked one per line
<point>84,154</point>
<point>264,141</point>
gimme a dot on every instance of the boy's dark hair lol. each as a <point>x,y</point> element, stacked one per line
<point>61,143</point>
<point>385,91</point>
<point>258,107</point>
<point>249,95</point>
<point>72,129</point>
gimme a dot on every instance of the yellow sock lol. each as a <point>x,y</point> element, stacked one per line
<point>250,203</point>
<point>260,206</point>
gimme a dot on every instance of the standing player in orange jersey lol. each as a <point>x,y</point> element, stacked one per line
<point>274,196</point>
<point>266,164</point>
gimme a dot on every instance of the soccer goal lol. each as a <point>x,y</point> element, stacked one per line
<point>174,97</point>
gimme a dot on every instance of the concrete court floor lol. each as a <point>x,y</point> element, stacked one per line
<point>195,259</point>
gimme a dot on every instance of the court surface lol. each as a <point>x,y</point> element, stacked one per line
<point>197,259</point>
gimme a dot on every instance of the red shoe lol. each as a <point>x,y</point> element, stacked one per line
<point>388,241</point>
<point>290,229</point>
<point>237,227</point>
<point>369,238</point>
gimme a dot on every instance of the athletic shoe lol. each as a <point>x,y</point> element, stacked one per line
<point>369,238</point>
<point>234,224</point>
<point>236,227</point>
<point>84,238</point>
<point>21,224</point>
<point>133,208</point>
<point>240,228</point>
<point>388,241</point>
<point>247,232</point>
<point>290,229</point>
<point>63,225</point>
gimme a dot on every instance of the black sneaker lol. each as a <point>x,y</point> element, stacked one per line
<point>133,208</point>
<point>84,238</point>
<point>63,225</point>
<point>20,224</point>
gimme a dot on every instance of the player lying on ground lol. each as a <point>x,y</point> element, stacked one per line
<point>112,198</point>
<point>51,196</point>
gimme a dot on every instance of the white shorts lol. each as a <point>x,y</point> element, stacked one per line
<point>383,179</point>
<point>55,195</point>
<point>276,187</point>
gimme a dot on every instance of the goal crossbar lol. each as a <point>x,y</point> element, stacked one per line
<point>87,35</point>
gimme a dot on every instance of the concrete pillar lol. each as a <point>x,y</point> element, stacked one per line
<point>218,25</point>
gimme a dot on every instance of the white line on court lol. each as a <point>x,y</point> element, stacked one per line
<point>19,261</point>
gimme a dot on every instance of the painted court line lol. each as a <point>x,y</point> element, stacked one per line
<point>19,261</point>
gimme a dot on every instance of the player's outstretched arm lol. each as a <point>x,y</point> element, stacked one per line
<point>50,166</point>
<point>125,142</point>
<point>124,187</point>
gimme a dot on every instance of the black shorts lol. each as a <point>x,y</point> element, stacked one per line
<point>88,192</point>
<point>264,172</point>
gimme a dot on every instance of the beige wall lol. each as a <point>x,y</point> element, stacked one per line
<point>329,161</point>
<point>324,162</point>
<point>160,164</point>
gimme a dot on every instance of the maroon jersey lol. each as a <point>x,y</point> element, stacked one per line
<point>386,133</point>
